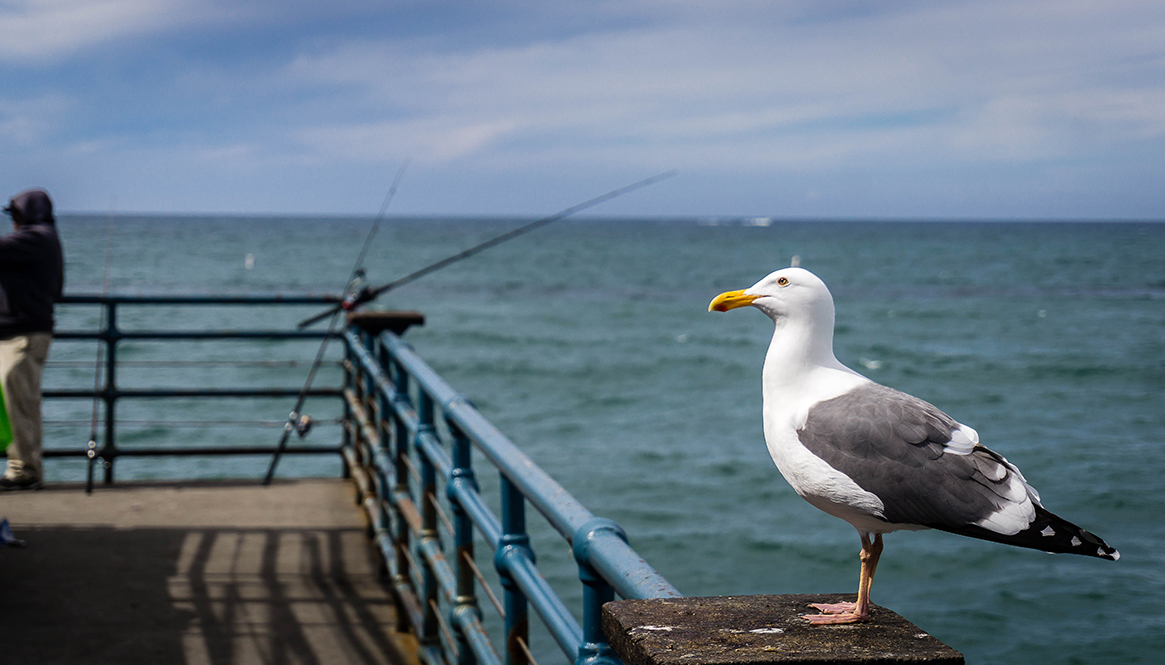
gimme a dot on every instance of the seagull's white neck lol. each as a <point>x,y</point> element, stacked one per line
<point>799,346</point>
<point>800,367</point>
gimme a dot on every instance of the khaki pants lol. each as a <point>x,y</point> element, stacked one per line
<point>22,360</point>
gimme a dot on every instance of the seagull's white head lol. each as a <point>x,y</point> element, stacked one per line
<point>792,294</point>
<point>800,306</point>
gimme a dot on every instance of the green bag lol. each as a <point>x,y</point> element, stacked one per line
<point>5,424</point>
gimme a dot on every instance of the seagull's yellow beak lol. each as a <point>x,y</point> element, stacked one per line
<point>731,300</point>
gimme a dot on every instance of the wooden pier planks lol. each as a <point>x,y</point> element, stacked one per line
<point>208,572</point>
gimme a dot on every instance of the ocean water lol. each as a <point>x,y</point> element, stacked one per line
<point>589,344</point>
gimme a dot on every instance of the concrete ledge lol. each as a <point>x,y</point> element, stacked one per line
<point>741,630</point>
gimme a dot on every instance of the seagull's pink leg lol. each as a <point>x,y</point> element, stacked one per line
<point>840,613</point>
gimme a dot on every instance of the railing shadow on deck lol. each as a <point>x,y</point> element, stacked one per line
<point>194,594</point>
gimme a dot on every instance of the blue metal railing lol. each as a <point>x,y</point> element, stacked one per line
<point>396,406</point>
<point>111,337</point>
<point>410,442</point>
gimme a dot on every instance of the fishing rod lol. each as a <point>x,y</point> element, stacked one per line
<point>301,423</point>
<point>354,299</point>
<point>366,294</point>
<point>91,446</point>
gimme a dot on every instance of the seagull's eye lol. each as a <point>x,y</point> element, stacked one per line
<point>782,281</point>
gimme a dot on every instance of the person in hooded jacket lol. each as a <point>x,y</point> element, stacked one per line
<point>32,278</point>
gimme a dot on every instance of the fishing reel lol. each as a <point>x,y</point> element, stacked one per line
<point>303,425</point>
<point>357,298</point>
<point>299,423</point>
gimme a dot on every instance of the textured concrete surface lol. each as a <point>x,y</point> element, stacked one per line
<point>740,630</point>
<point>194,573</point>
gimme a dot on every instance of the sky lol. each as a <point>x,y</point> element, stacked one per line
<point>960,109</point>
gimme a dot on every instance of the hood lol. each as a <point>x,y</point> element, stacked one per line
<point>33,206</point>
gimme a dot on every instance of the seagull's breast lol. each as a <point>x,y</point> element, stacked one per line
<point>823,486</point>
<point>786,409</point>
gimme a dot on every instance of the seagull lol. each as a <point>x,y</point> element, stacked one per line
<point>878,458</point>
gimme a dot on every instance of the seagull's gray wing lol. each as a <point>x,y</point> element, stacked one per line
<point>899,448</point>
<point>913,458</point>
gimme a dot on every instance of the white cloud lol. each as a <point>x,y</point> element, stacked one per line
<point>750,90</point>
<point>973,81</point>
<point>430,141</point>
<point>35,29</point>
<point>28,121</point>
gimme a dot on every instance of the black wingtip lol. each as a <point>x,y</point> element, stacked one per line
<point>1049,533</point>
<point>1067,537</point>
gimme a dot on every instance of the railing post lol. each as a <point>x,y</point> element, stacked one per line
<point>109,393</point>
<point>400,450</point>
<point>466,600</point>
<point>353,438</point>
<point>376,405</point>
<point>384,415</point>
<point>596,591</point>
<point>430,630</point>
<point>385,424</point>
<point>369,399</point>
<point>350,381</point>
<point>514,542</point>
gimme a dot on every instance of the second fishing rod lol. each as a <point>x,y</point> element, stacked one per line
<point>355,298</point>
<point>297,421</point>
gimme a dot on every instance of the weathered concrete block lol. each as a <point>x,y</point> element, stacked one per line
<point>741,630</point>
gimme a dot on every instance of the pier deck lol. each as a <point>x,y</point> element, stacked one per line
<point>194,572</point>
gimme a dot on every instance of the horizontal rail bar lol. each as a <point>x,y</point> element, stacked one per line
<point>191,392</point>
<point>474,505</point>
<point>166,335</point>
<point>154,364</point>
<point>316,422</point>
<point>468,497</point>
<point>430,447</point>
<point>396,405</point>
<point>625,570</point>
<point>430,547</point>
<point>618,563</point>
<point>466,621</point>
<point>563,512</point>
<point>151,327</point>
<point>190,451</point>
<point>558,619</point>
<point>271,298</point>
<point>469,624</point>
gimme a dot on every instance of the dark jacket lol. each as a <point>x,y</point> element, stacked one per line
<point>32,270</point>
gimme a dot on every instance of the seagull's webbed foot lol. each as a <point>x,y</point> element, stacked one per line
<point>835,613</point>
<point>835,608</point>
<point>842,613</point>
